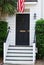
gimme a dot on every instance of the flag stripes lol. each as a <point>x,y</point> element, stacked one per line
<point>20,6</point>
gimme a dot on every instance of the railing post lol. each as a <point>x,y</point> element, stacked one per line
<point>4,53</point>
<point>5,47</point>
<point>34,54</point>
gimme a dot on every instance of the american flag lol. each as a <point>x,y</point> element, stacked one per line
<point>20,6</point>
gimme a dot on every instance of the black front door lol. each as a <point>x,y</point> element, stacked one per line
<point>22,29</point>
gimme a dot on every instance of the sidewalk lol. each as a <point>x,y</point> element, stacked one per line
<point>38,62</point>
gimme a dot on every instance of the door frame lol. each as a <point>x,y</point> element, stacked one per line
<point>29,30</point>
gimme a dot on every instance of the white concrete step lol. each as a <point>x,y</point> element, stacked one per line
<point>19,50</point>
<point>20,58</point>
<point>22,48</point>
<point>19,55</point>
<point>9,54</point>
<point>19,62</point>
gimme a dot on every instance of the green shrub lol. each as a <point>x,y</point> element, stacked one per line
<point>3,35</point>
<point>40,38</point>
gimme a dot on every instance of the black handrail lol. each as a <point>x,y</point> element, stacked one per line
<point>7,34</point>
<point>34,39</point>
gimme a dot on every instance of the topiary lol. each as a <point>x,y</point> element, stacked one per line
<point>40,38</point>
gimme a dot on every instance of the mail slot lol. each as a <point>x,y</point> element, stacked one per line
<point>24,30</point>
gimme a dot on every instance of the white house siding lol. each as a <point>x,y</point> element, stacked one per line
<point>43,8</point>
<point>34,8</point>
<point>11,23</point>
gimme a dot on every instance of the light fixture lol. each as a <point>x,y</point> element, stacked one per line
<point>34,15</point>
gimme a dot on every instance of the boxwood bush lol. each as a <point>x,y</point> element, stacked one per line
<point>3,35</point>
<point>40,38</point>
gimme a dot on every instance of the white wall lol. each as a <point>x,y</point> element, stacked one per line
<point>35,8</point>
<point>12,22</point>
<point>43,8</point>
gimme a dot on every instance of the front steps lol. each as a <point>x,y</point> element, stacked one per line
<point>19,55</point>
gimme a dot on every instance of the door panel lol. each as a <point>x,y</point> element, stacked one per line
<point>22,21</point>
<point>22,29</point>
